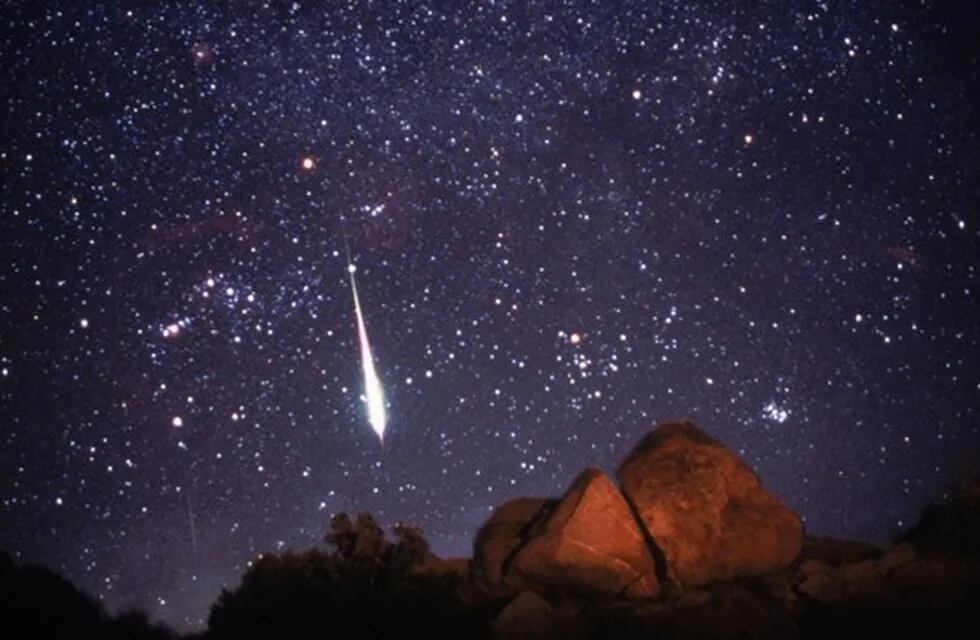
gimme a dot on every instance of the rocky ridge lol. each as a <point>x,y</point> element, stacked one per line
<point>690,544</point>
<point>687,512</point>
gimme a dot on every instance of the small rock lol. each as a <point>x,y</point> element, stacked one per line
<point>820,582</point>
<point>527,617</point>
<point>896,556</point>
<point>836,552</point>
<point>730,614</point>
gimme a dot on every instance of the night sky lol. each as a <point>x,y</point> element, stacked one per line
<point>569,221</point>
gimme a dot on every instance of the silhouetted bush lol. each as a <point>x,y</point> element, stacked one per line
<point>36,602</point>
<point>952,524</point>
<point>367,586</point>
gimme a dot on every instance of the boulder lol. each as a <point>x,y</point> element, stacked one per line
<point>732,613</point>
<point>590,543</point>
<point>498,539</point>
<point>937,578</point>
<point>896,556</point>
<point>850,583</point>
<point>722,611</point>
<point>819,581</point>
<point>527,617</point>
<point>705,509</point>
<point>432,566</point>
<point>776,586</point>
<point>834,551</point>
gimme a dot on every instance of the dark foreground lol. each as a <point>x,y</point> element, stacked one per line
<point>383,590</point>
<point>579,567</point>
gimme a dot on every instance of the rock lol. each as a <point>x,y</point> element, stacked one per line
<point>937,578</point>
<point>691,598</point>
<point>895,557</point>
<point>862,581</point>
<point>457,566</point>
<point>527,617</point>
<point>498,539</point>
<point>589,543</point>
<point>776,586</point>
<point>432,566</point>
<point>819,582</point>
<point>705,509</point>
<point>836,552</point>
<point>731,613</point>
<point>849,583</point>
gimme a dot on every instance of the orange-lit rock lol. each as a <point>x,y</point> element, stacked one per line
<point>498,539</point>
<point>590,542</point>
<point>705,509</point>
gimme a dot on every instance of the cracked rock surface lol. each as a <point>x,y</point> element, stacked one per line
<point>706,509</point>
<point>499,538</point>
<point>590,542</point>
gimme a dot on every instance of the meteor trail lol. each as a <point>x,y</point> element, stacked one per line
<point>372,385</point>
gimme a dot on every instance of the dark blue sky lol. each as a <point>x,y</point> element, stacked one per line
<point>570,220</point>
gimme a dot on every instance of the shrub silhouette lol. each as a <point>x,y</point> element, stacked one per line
<point>367,585</point>
<point>36,602</point>
<point>951,524</point>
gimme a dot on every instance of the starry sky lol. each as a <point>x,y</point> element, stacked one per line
<point>570,220</point>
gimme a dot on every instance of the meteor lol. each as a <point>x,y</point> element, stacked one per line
<point>373,392</point>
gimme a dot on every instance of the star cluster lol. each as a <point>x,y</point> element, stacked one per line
<point>570,220</point>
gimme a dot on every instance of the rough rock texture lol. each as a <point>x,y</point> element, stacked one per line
<point>720,612</point>
<point>837,552</point>
<point>904,576</point>
<point>896,556</point>
<point>590,542</point>
<point>844,583</point>
<point>946,578</point>
<point>731,613</point>
<point>706,509</point>
<point>498,539</point>
<point>432,566</point>
<point>527,617</point>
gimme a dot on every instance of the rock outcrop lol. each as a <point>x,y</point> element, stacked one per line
<point>904,575</point>
<point>837,552</point>
<point>498,539</point>
<point>527,617</point>
<point>590,542</point>
<point>705,509</point>
<point>689,510</point>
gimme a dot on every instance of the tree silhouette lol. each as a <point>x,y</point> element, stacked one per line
<point>366,584</point>
<point>953,523</point>
<point>36,602</point>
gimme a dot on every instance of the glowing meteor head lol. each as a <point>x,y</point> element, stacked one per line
<point>351,268</point>
<point>376,411</point>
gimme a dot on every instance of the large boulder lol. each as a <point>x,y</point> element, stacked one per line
<point>705,509</point>
<point>497,541</point>
<point>590,542</point>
